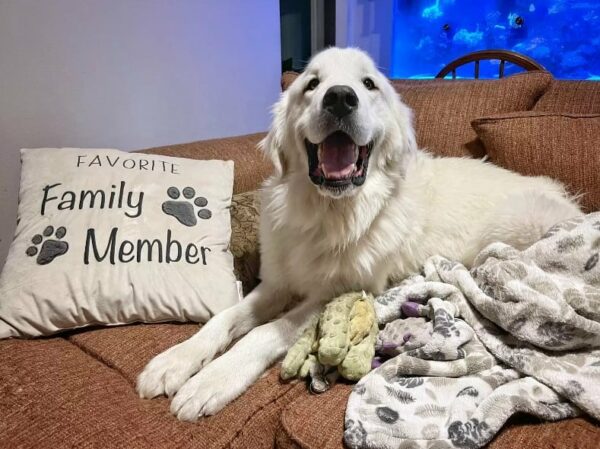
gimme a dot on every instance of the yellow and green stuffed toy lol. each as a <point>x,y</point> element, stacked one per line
<point>339,341</point>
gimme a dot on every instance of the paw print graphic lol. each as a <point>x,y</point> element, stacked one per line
<point>51,247</point>
<point>183,209</point>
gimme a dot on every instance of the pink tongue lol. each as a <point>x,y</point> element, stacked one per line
<point>337,156</point>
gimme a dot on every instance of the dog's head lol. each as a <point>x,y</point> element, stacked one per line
<point>340,123</point>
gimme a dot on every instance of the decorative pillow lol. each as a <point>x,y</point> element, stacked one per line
<point>443,109</point>
<point>571,96</point>
<point>245,209</point>
<point>562,146</point>
<point>109,237</point>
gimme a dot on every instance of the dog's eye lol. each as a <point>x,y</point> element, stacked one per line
<point>369,84</point>
<point>312,84</point>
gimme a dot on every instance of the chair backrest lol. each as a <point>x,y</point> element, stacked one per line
<point>503,56</point>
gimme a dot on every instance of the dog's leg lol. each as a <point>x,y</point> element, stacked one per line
<point>228,376</point>
<point>168,371</point>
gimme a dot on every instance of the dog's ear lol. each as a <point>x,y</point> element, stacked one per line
<point>404,121</point>
<point>272,144</point>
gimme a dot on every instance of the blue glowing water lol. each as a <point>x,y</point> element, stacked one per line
<point>562,35</point>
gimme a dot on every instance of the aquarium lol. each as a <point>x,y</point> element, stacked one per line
<point>562,35</point>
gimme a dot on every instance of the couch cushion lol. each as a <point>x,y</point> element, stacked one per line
<point>314,421</point>
<point>127,349</point>
<point>251,167</point>
<point>527,432</point>
<point>443,109</point>
<point>562,146</point>
<point>249,421</point>
<point>317,422</point>
<point>572,96</point>
<point>79,392</point>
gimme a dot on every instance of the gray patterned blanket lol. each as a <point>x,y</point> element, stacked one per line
<point>519,332</point>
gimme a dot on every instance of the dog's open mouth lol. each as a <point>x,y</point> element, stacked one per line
<point>338,162</point>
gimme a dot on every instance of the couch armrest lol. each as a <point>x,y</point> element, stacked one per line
<point>251,167</point>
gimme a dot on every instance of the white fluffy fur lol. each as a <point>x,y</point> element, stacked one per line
<point>316,244</point>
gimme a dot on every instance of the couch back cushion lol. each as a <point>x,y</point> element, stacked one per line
<point>443,109</point>
<point>570,96</point>
<point>251,167</point>
<point>561,146</point>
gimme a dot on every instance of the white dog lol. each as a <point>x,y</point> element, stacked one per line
<point>353,205</point>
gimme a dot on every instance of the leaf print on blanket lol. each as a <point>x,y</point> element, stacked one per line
<point>355,434</point>
<point>444,324</point>
<point>557,335</point>
<point>469,434</point>
<point>400,395</point>
<point>573,388</point>
<point>570,243</point>
<point>430,411</point>
<point>447,265</point>
<point>410,382</point>
<point>468,391</point>
<point>387,415</point>
<point>359,389</point>
<point>517,324</point>
<point>436,355</point>
<point>553,266</point>
<point>552,231</point>
<point>388,296</point>
<point>591,263</point>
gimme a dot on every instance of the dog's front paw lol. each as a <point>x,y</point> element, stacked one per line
<point>167,372</point>
<point>209,391</point>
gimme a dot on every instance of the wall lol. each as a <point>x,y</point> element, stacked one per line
<point>130,74</point>
<point>369,25</point>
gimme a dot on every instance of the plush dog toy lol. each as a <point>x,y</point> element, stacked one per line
<point>339,341</point>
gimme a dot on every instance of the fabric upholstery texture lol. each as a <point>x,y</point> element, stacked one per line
<point>251,167</point>
<point>79,392</point>
<point>314,421</point>
<point>562,146</point>
<point>571,96</point>
<point>444,109</point>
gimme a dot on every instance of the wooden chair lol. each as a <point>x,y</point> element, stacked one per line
<point>504,56</point>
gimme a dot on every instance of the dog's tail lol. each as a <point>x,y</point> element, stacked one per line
<point>523,218</point>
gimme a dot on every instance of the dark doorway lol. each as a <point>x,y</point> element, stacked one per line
<point>307,26</point>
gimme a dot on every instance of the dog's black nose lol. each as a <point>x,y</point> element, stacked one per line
<point>340,100</point>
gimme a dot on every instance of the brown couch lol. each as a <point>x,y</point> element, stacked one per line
<point>77,389</point>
